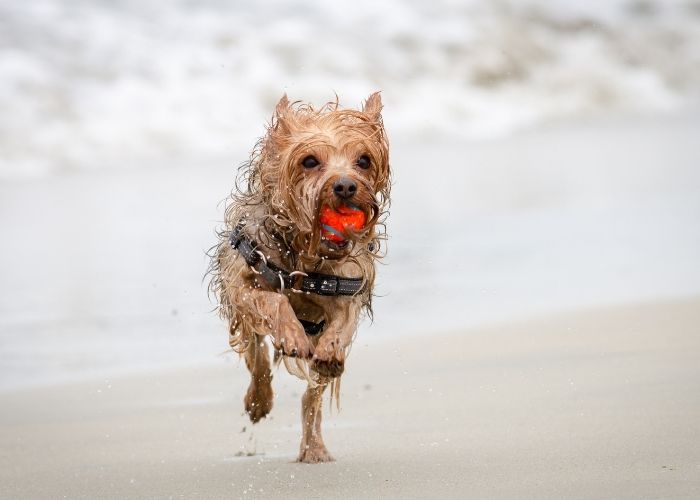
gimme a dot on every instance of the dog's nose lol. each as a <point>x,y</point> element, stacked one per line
<point>344,188</point>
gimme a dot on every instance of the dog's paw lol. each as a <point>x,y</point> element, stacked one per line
<point>293,341</point>
<point>328,368</point>
<point>315,454</point>
<point>329,357</point>
<point>258,401</point>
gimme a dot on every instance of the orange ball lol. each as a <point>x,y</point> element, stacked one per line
<point>334,223</point>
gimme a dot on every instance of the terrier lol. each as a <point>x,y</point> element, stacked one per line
<point>296,259</point>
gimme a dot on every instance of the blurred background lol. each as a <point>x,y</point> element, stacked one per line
<point>545,158</point>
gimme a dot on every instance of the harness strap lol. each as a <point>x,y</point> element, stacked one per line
<point>318,283</point>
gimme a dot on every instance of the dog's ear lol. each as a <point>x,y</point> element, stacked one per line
<point>281,117</point>
<point>282,106</point>
<point>373,106</point>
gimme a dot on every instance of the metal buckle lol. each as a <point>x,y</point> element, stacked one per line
<point>320,284</point>
<point>329,286</point>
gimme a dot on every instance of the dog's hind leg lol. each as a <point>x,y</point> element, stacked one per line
<point>258,398</point>
<point>312,450</point>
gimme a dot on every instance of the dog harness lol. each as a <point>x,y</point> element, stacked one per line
<point>280,279</point>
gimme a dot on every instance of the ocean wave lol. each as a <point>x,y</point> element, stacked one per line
<point>90,85</point>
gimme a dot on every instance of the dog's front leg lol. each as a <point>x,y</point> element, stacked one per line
<point>270,313</point>
<point>312,450</point>
<point>329,356</point>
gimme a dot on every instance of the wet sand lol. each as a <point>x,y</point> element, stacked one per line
<point>590,404</point>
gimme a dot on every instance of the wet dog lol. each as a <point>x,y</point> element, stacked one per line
<point>296,258</point>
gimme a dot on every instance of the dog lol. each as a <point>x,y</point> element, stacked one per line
<point>295,261</point>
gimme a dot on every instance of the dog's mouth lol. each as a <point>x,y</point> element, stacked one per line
<point>341,227</point>
<point>340,223</point>
<point>335,246</point>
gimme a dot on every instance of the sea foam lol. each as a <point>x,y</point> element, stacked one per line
<point>125,84</point>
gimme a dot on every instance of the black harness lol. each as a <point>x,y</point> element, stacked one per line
<point>280,279</point>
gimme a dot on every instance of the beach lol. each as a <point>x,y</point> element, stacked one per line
<point>536,328</point>
<point>603,403</point>
<point>548,349</point>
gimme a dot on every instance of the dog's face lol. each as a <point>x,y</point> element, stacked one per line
<point>331,159</point>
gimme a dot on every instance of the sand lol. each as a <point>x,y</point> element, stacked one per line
<point>102,304</point>
<point>592,404</point>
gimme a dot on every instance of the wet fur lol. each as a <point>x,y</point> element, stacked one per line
<point>278,202</point>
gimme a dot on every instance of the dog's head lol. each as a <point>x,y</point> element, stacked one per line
<point>331,161</point>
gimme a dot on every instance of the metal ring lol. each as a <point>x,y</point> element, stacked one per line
<point>297,273</point>
<point>262,256</point>
<point>279,275</point>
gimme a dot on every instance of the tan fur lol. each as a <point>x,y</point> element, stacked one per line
<point>278,206</point>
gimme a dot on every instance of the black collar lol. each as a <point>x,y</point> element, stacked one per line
<point>278,278</point>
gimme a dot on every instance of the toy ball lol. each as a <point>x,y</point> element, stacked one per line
<point>334,223</point>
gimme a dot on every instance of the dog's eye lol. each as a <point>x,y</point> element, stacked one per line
<point>309,162</point>
<point>364,162</point>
